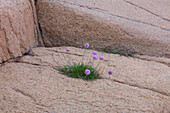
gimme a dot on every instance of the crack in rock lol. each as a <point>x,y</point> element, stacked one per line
<point>66,53</point>
<point>141,87</point>
<point>24,94</point>
<point>147,10</point>
<point>154,60</point>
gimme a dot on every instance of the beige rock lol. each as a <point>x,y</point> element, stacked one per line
<point>32,84</point>
<point>156,7</point>
<point>36,24</point>
<point>18,31</point>
<point>156,59</point>
<point>111,24</point>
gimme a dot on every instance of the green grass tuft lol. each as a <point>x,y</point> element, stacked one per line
<point>78,71</point>
<point>121,52</point>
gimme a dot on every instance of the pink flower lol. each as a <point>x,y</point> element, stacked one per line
<point>101,57</point>
<point>94,53</point>
<point>86,45</point>
<point>68,49</point>
<point>87,72</point>
<point>110,72</point>
<point>95,57</point>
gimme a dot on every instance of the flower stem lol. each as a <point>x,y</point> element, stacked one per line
<point>69,59</point>
<point>92,62</point>
<point>83,56</point>
<point>98,64</point>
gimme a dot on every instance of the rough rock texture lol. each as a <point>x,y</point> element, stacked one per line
<point>32,84</point>
<point>36,24</point>
<point>18,28</point>
<point>110,24</point>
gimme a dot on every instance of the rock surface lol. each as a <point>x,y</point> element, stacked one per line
<point>114,24</point>
<point>32,84</point>
<point>18,28</point>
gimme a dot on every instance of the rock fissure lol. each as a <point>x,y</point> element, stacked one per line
<point>165,61</point>
<point>137,21</point>
<point>37,27</point>
<point>12,60</point>
<point>67,53</point>
<point>24,94</point>
<point>42,105</point>
<point>147,10</point>
<point>141,87</point>
<point>36,64</point>
<point>6,43</point>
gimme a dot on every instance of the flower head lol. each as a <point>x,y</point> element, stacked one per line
<point>86,45</point>
<point>68,49</point>
<point>101,57</point>
<point>110,72</point>
<point>87,72</point>
<point>95,57</point>
<point>94,53</point>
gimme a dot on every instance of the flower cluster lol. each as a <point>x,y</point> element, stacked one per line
<point>87,71</point>
<point>84,71</point>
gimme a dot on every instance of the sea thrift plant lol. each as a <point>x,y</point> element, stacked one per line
<point>86,45</point>
<point>87,71</point>
<point>110,73</point>
<point>95,57</point>
<point>101,57</point>
<point>82,70</point>
<point>68,49</point>
<point>94,53</point>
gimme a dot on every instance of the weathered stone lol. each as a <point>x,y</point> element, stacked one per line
<point>156,7</point>
<point>136,85</point>
<point>112,24</point>
<point>18,31</point>
<point>36,24</point>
